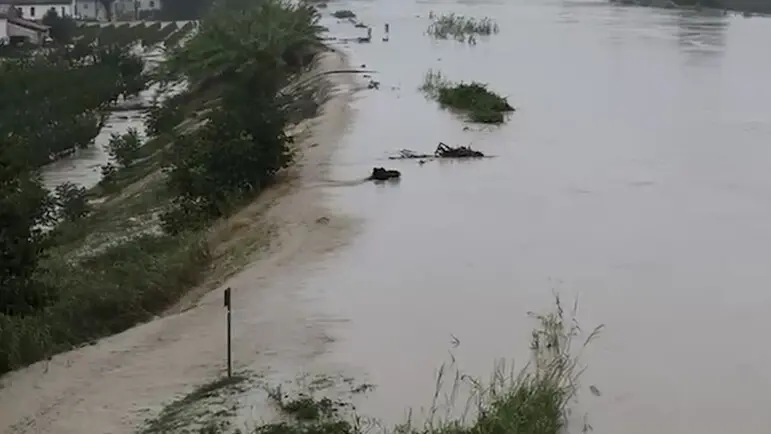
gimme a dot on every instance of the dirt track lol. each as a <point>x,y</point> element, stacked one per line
<point>113,386</point>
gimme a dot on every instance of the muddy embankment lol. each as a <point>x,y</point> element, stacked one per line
<point>114,385</point>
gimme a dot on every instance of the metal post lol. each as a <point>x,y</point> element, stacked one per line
<point>227,306</point>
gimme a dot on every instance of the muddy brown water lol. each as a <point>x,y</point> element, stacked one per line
<point>634,175</point>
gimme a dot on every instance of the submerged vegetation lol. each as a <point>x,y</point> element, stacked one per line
<point>475,99</point>
<point>535,400</point>
<point>461,28</point>
<point>120,254</point>
<point>344,13</point>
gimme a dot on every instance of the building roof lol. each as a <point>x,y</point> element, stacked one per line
<point>35,2</point>
<point>28,24</point>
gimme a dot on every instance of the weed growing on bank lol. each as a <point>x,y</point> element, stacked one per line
<point>460,28</point>
<point>535,400</point>
<point>475,99</point>
<point>206,405</point>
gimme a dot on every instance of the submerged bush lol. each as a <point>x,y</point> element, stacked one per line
<point>345,13</point>
<point>481,104</point>
<point>461,28</point>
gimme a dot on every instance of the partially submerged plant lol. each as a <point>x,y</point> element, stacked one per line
<point>481,104</point>
<point>534,400</point>
<point>344,13</point>
<point>461,28</point>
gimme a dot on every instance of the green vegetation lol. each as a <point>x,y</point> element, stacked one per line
<point>344,13</point>
<point>194,408</point>
<point>129,248</point>
<point>243,144</point>
<point>61,29</point>
<point>475,99</point>
<point>536,400</point>
<point>461,28</point>
<point>56,102</point>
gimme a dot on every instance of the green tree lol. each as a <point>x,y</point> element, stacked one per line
<point>62,29</point>
<point>251,55</point>
<point>25,208</point>
<point>125,148</point>
<point>72,201</point>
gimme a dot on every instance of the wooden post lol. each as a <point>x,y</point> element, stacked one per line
<point>229,326</point>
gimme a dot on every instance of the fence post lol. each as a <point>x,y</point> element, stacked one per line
<point>229,326</point>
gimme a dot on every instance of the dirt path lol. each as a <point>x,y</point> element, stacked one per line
<point>113,386</point>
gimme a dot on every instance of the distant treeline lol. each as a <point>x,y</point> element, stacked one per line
<point>755,6</point>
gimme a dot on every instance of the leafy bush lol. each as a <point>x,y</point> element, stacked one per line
<point>124,148</point>
<point>72,201</point>
<point>163,117</point>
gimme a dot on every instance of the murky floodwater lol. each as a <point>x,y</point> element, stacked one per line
<point>84,166</point>
<point>635,174</point>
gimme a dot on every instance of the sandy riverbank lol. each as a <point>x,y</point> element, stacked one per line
<point>113,386</point>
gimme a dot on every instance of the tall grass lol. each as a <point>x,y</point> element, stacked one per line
<point>475,99</point>
<point>461,28</point>
<point>535,399</point>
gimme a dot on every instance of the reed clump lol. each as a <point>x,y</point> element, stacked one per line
<point>458,27</point>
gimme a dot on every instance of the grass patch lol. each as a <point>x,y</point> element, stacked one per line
<point>475,99</point>
<point>344,13</point>
<point>461,28</point>
<point>304,407</point>
<point>204,410</point>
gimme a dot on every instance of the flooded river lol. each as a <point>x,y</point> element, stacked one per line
<point>634,175</point>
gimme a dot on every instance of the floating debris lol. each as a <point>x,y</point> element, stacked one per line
<point>381,174</point>
<point>442,151</point>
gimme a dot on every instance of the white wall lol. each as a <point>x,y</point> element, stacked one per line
<point>90,9</point>
<point>37,12</point>
<point>34,36</point>
<point>149,5</point>
<point>3,30</point>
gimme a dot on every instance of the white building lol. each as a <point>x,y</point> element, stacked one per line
<point>13,26</point>
<point>122,10</point>
<point>90,10</point>
<point>36,9</point>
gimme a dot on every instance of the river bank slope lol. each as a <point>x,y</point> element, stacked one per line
<point>112,385</point>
